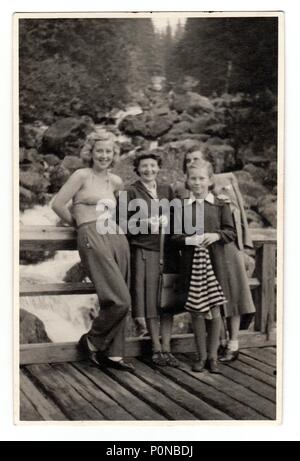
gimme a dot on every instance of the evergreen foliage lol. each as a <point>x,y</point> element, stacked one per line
<point>82,65</point>
<point>229,54</point>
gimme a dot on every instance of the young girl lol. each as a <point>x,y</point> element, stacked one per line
<point>240,301</point>
<point>203,262</point>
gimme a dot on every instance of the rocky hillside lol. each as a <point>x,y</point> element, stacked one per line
<point>232,128</point>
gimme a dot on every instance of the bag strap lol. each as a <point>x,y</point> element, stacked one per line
<point>161,251</point>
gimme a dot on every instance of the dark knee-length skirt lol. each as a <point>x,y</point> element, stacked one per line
<point>144,282</point>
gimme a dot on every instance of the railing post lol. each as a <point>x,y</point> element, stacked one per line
<point>265,271</point>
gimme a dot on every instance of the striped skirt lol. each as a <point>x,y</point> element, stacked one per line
<point>205,291</point>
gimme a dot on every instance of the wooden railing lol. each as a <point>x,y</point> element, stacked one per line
<point>37,238</point>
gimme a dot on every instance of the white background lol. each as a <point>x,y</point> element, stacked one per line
<point>290,429</point>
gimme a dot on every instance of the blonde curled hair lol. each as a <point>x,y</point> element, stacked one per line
<point>86,152</point>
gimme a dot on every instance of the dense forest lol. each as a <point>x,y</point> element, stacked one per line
<point>82,65</point>
<point>213,80</point>
<point>99,63</point>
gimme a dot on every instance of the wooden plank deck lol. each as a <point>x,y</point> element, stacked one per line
<point>78,391</point>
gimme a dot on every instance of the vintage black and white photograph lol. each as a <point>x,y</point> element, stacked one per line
<point>146,170</point>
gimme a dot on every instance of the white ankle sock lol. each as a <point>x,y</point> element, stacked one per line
<point>233,345</point>
<point>115,359</point>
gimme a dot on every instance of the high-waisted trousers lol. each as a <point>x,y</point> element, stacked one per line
<point>107,262</point>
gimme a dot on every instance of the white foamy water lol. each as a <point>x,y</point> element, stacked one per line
<point>65,318</point>
<point>130,110</point>
<point>39,215</point>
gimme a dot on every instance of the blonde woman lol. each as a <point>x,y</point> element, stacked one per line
<point>105,255</point>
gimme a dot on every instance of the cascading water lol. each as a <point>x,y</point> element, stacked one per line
<point>65,318</point>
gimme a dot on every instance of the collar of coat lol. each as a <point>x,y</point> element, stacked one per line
<point>210,198</point>
<point>141,186</point>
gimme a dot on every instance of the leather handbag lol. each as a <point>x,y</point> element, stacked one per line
<point>170,297</point>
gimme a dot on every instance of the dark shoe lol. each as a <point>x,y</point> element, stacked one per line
<point>171,360</point>
<point>119,365</point>
<point>141,327</point>
<point>221,351</point>
<point>159,359</point>
<point>199,366</point>
<point>229,356</point>
<point>213,366</point>
<point>84,348</point>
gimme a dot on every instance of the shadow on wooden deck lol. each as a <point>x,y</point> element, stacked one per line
<point>78,391</point>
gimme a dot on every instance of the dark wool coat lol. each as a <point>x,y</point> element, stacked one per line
<point>239,293</point>
<point>217,218</point>
<point>138,191</point>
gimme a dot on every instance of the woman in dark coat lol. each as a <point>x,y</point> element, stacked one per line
<point>144,237</point>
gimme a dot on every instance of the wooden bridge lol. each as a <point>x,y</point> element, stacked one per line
<point>57,384</point>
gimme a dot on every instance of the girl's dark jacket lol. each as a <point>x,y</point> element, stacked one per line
<point>217,218</point>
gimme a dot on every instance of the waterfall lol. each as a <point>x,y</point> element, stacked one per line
<point>65,317</point>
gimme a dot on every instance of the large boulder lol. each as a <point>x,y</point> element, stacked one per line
<point>34,181</point>
<point>198,104</point>
<point>31,135</point>
<point>249,201</point>
<point>58,177</point>
<point>254,189</point>
<point>133,125</point>
<point>202,123</point>
<point>160,110</point>
<point>150,124</point>
<point>173,136</point>
<point>191,102</point>
<point>185,117</point>
<point>76,273</point>
<point>28,156</point>
<point>180,128</point>
<point>222,155</point>
<point>254,219</point>
<point>217,129</point>
<point>67,135</point>
<point>200,137</point>
<point>158,126</point>
<point>180,146</point>
<point>32,329</point>
<point>243,176</point>
<point>271,175</point>
<point>27,198</point>
<point>72,163</point>
<point>256,172</point>
<point>217,141</point>
<point>229,100</point>
<point>51,159</point>
<point>267,207</point>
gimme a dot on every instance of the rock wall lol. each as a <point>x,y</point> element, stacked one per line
<point>226,126</point>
